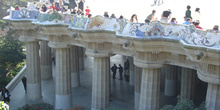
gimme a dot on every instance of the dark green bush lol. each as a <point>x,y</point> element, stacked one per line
<point>39,106</point>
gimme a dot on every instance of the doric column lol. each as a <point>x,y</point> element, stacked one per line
<point>213,97</point>
<point>187,84</point>
<point>33,71</point>
<point>138,74</point>
<point>45,60</point>
<point>74,62</point>
<point>170,80</point>
<point>131,73</point>
<point>150,89</point>
<point>100,81</point>
<point>63,99</point>
<point>81,58</point>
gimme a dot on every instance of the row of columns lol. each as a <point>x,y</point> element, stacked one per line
<point>147,82</point>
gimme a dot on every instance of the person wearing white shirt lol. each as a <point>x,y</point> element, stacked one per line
<point>196,15</point>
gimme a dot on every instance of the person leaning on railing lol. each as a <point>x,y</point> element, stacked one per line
<point>166,16</point>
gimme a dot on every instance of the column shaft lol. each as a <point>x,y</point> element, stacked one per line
<point>100,84</point>
<point>213,97</point>
<point>63,99</point>
<point>187,83</point>
<point>150,89</point>
<point>138,74</point>
<point>45,61</point>
<point>131,73</point>
<point>170,81</point>
<point>74,62</point>
<point>33,71</point>
<point>81,58</point>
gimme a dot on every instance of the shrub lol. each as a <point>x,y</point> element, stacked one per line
<point>79,107</point>
<point>184,105</point>
<point>39,106</point>
<point>3,106</point>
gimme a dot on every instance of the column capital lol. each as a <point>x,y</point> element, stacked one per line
<point>94,53</point>
<point>147,64</point>
<point>28,35</point>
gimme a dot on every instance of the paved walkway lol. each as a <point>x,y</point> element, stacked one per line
<point>122,94</point>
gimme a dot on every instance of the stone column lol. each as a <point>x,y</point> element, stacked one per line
<point>138,74</point>
<point>74,62</point>
<point>33,71</point>
<point>187,84</point>
<point>170,81</point>
<point>131,73</point>
<point>63,97</point>
<point>213,97</point>
<point>45,60</point>
<point>81,58</point>
<point>100,80</point>
<point>109,69</point>
<point>150,89</point>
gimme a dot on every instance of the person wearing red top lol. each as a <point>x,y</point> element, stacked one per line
<point>17,7</point>
<point>87,10</point>
<point>53,6</point>
<point>197,25</point>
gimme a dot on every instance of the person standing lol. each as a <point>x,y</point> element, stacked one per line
<point>114,68</point>
<point>150,17</point>
<point>87,10</point>
<point>196,16</point>
<point>188,13</point>
<point>81,5</point>
<point>24,81</point>
<point>134,18</point>
<point>6,95</point>
<point>51,1</point>
<point>166,16</point>
<point>120,71</point>
<point>155,2</point>
<point>73,4</point>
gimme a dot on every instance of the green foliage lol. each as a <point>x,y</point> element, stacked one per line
<point>39,106</point>
<point>11,56</point>
<point>184,105</point>
<point>168,107</point>
<point>3,106</point>
<point>113,108</point>
<point>11,51</point>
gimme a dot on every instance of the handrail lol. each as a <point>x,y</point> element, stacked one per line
<point>11,85</point>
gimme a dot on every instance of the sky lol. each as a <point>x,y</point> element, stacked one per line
<point>209,9</point>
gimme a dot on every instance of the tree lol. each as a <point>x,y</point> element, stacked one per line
<point>11,51</point>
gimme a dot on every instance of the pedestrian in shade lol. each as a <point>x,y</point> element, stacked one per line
<point>24,81</point>
<point>120,71</point>
<point>6,95</point>
<point>114,68</point>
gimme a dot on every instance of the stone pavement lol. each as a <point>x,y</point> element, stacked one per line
<point>122,94</point>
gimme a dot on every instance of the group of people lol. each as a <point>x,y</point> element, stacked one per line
<point>63,6</point>
<point>166,16</point>
<point>121,70</point>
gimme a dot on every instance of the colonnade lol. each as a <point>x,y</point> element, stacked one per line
<point>146,79</point>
